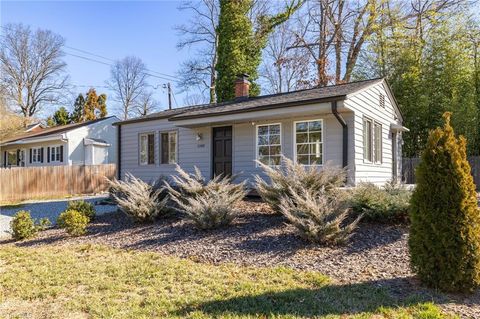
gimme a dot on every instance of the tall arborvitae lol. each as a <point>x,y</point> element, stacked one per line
<point>239,47</point>
<point>445,231</point>
<point>78,106</point>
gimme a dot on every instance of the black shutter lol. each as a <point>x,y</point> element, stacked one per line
<point>48,154</point>
<point>151,149</point>
<point>41,154</point>
<point>30,156</point>
<point>18,157</point>
<point>164,148</point>
<point>61,153</point>
<point>4,158</point>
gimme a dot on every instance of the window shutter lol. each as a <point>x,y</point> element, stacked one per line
<point>4,158</point>
<point>151,149</point>
<point>30,156</point>
<point>48,154</point>
<point>41,154</point>
<point>18,157</point>
<point>164,148</point>
<point>61,153</point>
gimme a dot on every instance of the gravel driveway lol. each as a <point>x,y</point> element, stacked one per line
<point>48,208</point>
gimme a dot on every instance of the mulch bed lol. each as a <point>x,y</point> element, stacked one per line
<point>376,253</point>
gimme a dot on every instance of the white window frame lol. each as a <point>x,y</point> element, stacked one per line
<point>146,134</point>
<point>53,159</point>
<point>257,157</point>
<point>375,159</point>
<point>321,141</point>
<point>36,155</point>
<point>161,146</point>
<point>373,147</point>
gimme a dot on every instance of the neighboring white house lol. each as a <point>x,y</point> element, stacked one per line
<point>356,125</point>
<point>88,143</point>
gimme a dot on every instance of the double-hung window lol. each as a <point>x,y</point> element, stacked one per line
<point>12,158</point>
<point>36,155</point>
<point>55,154</point>
<point>372,141</point>
<point>269,144</point>
<point>168,147</point>
<point>147,149</point>
<point>309,142</point>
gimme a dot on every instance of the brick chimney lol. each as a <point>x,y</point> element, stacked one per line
<point>242,86</point>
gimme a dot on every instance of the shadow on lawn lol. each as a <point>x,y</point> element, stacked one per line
<point>326,300</point>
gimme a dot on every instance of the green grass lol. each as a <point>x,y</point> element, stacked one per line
<point>100,282</point>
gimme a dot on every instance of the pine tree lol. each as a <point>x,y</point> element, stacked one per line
<point>102,106</point>
<point>78,107</point>
<point>61,116</point>
<point>91,104</point>
<point>239,47</point>
<point>445,219</point>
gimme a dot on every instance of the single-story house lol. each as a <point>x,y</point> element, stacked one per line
<point>88,143</point>
<point>356,125</point>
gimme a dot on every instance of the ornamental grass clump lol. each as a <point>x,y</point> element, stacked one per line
<point>293,176</point>
<point>209,204</point>
<point>444,237</point>
<point>138,199</point>
<point>318,216</point>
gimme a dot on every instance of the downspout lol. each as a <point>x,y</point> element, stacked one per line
<point>119,152</point>
<point>341,120</point>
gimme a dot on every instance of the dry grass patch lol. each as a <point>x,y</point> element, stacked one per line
<point>99,282</point>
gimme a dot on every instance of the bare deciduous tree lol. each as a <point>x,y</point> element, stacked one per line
<point>200,31</point>
<point>146,103</point>
<point>284,70</point>
<point>32,69</point>
<point>128,80</point>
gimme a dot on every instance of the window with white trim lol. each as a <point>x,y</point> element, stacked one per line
<point>36,155</point>
<point>55,154</point>
<point>309,142</point>
<point>372,141</point>
<point>12,158</point>
<point>147,149</point>
<point>168,147</point>
<point>269,144</point>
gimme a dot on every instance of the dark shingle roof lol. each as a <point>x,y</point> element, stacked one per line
<point>52,130</point>
<point>260,102</point>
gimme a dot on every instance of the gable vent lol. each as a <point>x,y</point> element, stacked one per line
<point>382,100</point>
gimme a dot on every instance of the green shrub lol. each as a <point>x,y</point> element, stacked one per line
<point>444,237</point>
<point>83,207</point>
<point>387,204</point>
<point>209,204</point>
<point>317,216</point>
<point>291,175</point>
<point>74,222</point>
<point>23,226</point>
<point>139,200</point>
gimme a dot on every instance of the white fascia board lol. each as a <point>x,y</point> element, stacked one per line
<point>32,140</point>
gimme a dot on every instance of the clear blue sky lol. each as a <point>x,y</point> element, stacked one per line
<point>113,29</point>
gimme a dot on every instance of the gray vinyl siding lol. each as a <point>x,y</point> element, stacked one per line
<point>199,153</point>
<point>244,153</point>
<point>366,104</point>
<point>190,152</point>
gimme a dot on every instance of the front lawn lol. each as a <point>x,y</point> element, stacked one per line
<point>83,281</point>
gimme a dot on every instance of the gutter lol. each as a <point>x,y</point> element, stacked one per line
<point>32,140</point>
<point>342,122</point>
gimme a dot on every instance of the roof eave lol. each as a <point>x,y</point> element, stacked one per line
<point>264,107</point>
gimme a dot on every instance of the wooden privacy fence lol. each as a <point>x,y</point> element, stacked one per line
<point>409,165</point>
<point>22,183</point>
